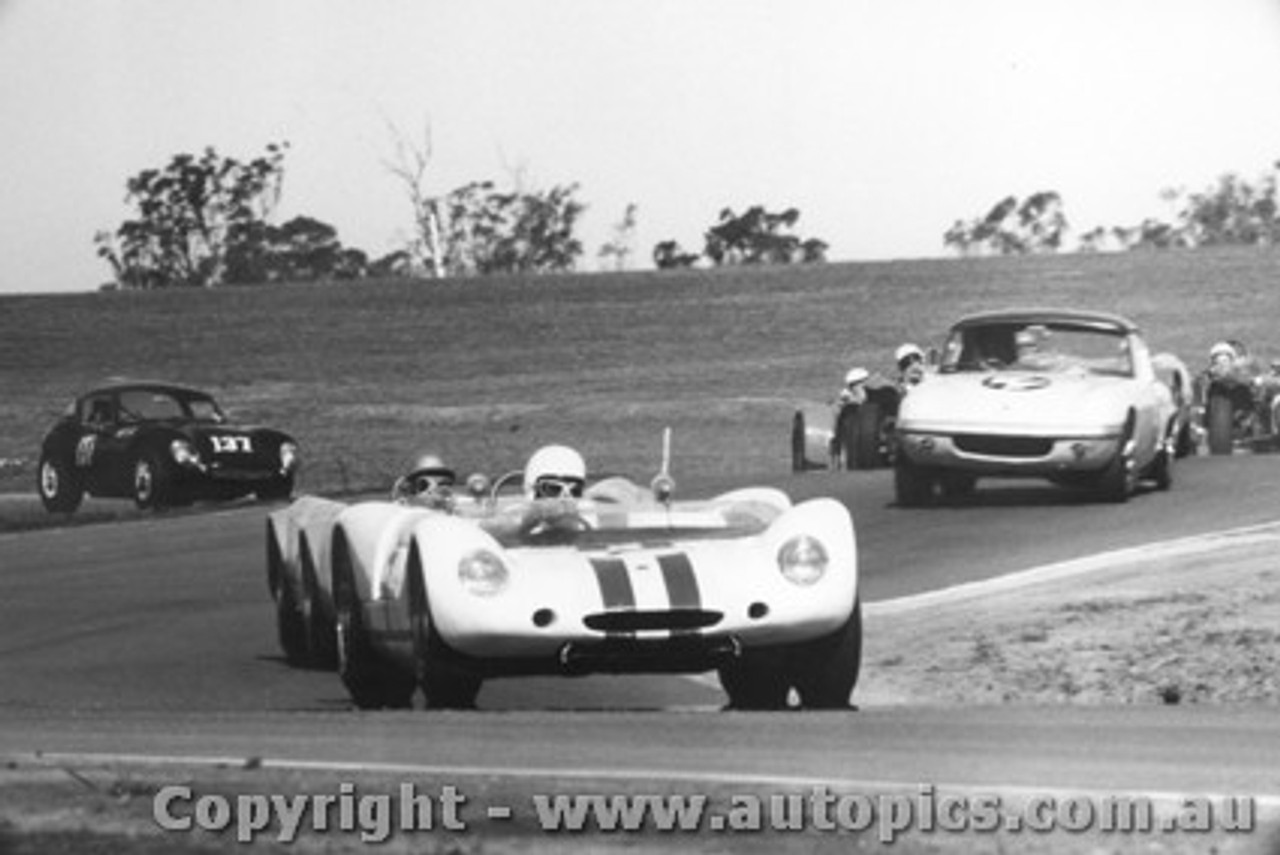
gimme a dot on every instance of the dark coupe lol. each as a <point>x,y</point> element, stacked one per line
<point>161,445</point>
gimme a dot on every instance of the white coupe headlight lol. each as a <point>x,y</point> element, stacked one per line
<point>183,453</point>
<point>802,560</point>
<point>288,456</point>
<point>482,573</point>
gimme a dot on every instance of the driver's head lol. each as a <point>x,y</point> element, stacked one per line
<point>555,472</point>
<point>428,475</point>
<point>1222,353</point>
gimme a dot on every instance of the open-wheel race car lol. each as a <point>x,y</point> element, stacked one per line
<point>611,578</point>
<point>1238,400</point>
<point>160,444</point>
<point>854,432</point>
<point>1072,396</point>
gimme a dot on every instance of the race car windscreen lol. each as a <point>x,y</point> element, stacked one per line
<point>1040,347</point>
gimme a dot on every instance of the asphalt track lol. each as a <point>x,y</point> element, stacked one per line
<point>156,638</point>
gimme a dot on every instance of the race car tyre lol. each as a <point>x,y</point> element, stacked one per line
<point>152,482</point>
<point>826,670</point>
<point>1221,417</point>
<point>1161,471</point>
<point>1120,478</point>
<point>444,684</point>
<point>797,442</point>
<point>59,485</point>
<point>320,634</point>
<point>372,682</point>
<point>756,680</point>
<point>1185,444</point>
<point>957,485</point>
<point>291,627</point>
<point>913,484</point>
<point>864,449</point>
<point>276,489</point>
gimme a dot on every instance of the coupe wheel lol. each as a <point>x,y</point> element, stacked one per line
<point>59,486</point>
<point>912,484</point>
<point>1120,478</point>
<point>276,489</point>
<point>152,482</point>
<point>826,671</point>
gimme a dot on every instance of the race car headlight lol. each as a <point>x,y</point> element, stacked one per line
<point>802,560</point>
<point>184,454</point>
<point>288,456</point>
<point>482,573</point>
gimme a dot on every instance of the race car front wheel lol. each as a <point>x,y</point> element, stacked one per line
<point>444,684</point>
<point>372,682</point>
<point>152,482</point>
<point>59,486</point>
<point>826,670</point>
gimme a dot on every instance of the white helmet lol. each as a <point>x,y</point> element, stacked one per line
<point>1222,348</point>
<point>856,376</point>
<point>907,351</point>
<point>555,471</point>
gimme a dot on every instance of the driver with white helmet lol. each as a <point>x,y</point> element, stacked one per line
<point>855,386</point>
<point>555,472</point>
<point>429,482</point>
<point>910,361</point>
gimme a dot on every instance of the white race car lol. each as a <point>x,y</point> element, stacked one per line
<point>1072,396</point>
<point>620,580</point>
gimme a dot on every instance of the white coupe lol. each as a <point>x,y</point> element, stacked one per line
<point>1072,396</point>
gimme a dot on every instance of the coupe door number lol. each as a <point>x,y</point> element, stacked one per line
<point>232,443</point>
<point>84,449</point>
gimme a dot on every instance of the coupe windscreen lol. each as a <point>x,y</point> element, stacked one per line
<point>157,405</point>
<point>1038,347</point>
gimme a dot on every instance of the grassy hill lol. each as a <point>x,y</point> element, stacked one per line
<point>367,373</point>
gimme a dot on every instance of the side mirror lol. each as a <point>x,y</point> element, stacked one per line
<point>663,487</point>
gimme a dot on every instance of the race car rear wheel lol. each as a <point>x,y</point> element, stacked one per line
<point>826,670</point>
<point>865,446</point>
<point>372,682</point>
<point>1221,416</point>
<point>318,627</point>
<point>756,680</point>
<point>797,442</point>
<point>444,684</point>
<point>59,485</point>
<point>291,628</point>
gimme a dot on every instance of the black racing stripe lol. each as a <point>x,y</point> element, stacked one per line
<point>682,584</point>
<point>614,582</point>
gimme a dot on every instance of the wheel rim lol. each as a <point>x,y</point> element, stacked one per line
<point>49,480</point>
<point>143,481</point>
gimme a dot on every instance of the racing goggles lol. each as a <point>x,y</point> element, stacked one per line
<point>429,483</point>
<point>552,487</point>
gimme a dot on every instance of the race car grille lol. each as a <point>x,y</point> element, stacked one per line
<point>638,621</point>
<point>1004,446</point>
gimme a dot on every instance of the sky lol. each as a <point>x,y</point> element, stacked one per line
<point>881,121</point>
